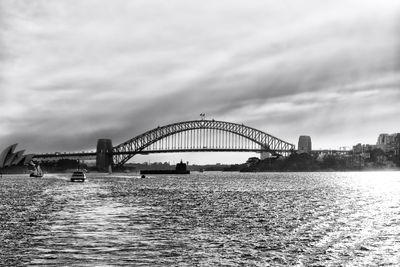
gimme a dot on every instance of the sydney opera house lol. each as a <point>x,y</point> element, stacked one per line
<point>9,158</point>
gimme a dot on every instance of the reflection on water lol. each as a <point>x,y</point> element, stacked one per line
<point>208,219</point>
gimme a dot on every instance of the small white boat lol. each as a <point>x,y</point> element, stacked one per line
<point>78,176</point>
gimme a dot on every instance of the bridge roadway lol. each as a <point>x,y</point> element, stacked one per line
<point>91,154</point>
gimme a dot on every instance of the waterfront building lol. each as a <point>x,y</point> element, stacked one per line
<point>304,145</point>
<point>14,162</point>
<point>10,158</point>
<point>363,148</point>
<point>386,152</point>
<point>252,161</point>
<point>389,143</point>
<point>382,139</point>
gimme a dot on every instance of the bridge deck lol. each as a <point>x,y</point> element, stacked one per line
<point>146,152</point>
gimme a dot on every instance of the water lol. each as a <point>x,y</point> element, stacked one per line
<point>202,219</point>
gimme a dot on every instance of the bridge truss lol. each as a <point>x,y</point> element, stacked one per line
<point>200,135</point>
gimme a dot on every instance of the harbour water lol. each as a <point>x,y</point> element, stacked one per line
<point>202,219</point>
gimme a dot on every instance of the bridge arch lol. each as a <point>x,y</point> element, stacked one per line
<point>137,145</point>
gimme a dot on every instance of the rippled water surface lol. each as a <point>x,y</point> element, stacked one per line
<point>202,219</point>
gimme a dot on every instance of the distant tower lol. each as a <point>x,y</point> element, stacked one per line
<point>104,158</point>
<point>304,144</point>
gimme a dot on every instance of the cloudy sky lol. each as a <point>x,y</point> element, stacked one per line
<point>73,71</point>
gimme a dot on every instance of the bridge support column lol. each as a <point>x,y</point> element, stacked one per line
<point>104,158</point>
<point>265,155</point>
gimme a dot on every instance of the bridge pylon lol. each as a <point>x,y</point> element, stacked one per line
<point>104,156</point>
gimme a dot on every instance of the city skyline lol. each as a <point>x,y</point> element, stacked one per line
<point>72,72</point>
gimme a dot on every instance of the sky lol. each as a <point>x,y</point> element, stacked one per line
<point>73,71</point>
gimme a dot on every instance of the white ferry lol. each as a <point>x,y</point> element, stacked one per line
<point>78,176</point>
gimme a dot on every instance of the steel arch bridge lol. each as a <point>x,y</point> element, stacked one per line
<point>200,136</point>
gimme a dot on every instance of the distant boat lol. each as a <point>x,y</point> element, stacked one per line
<point>38,173</point>
<point>78,176</point>
<point>179,169</point>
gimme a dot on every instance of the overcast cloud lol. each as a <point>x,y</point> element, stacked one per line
<point>73,71</point>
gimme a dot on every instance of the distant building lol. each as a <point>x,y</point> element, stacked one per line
<point>386,152</point>
<point>389,143</point>
<point>14,162</point>
<point>383,139</point>
<point>10,158</point>
<point>363,148</point>
<point>252,161</point>
<point>304,144</point>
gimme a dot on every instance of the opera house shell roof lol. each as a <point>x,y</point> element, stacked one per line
<point>9,158</point>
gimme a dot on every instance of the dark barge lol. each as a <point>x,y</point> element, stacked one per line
<point>181,168</point>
